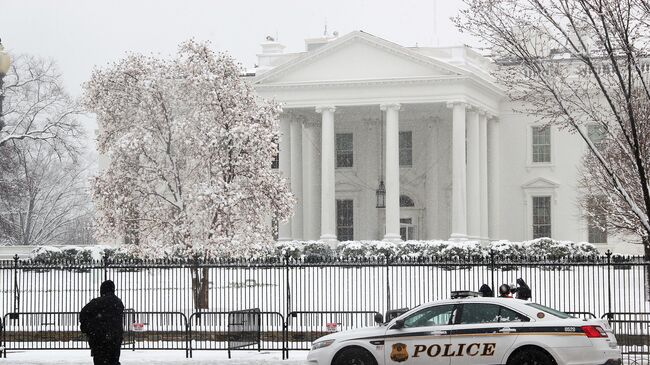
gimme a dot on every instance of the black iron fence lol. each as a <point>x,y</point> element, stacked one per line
<point>299,301</point>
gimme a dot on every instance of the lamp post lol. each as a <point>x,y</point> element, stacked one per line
<point>5,62</point>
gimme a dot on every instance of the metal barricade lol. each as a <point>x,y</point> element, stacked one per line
<point>304,327</point>
<point>632,332</point>
<point>235,330</point>
<point>160,331</point>
<point>42,331</point>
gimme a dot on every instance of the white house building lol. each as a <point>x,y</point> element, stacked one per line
<point>431,128</point>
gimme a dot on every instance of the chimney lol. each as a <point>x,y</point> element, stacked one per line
<point>315,43</point>
<point>271,49</point>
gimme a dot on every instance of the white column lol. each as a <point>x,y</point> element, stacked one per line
<point>473,186</point>
<point>296,178</point>
<point>493,178</point>
<point>310,156</point>
<point>392,171</point>
<point>459,173</point>
<point>483,175</point>
<point>431,182</point>
<point>328,193</point>
<point>284,233</point>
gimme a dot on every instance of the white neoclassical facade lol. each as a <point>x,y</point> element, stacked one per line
<point>381,141</point>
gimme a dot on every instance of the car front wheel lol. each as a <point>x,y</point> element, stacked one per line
<point>354,356</point>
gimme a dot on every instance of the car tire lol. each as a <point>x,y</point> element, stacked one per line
<point>531,356</point>
<point>354,356</point>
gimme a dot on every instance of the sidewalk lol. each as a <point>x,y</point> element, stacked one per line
<point>79,357</point>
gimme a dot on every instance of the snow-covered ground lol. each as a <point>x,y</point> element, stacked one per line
<point>73,357</point>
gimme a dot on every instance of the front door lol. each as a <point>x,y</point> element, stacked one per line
<point>424,339</point>
<point>484,333</point>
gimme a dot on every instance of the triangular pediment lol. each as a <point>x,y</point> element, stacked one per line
<point>357,56</point>
<point>540,183</point>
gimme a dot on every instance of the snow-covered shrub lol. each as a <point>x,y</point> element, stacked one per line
<point>314,251</point>
<point>54,255</point>
<point>289,249</point>
<point>353,249</point>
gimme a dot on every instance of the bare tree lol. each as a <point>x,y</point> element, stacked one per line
<point>574,63</point>
<point>50,193</point>
<point>36,107</point>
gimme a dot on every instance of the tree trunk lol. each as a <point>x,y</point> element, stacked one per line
<point>200,287</point>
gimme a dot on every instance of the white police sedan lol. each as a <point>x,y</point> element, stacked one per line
<point>473,331</point>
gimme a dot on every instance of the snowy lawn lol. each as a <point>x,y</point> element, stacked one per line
<point>74,357</point>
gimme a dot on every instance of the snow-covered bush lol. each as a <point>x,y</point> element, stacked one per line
<point>48,254</point>
<point>454,253</point>
<point>314,251</point>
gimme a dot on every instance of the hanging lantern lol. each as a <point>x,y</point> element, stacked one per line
<point>381,195</point>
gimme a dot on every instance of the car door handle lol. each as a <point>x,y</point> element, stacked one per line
<point>507,330</point>
<point>438,333</point>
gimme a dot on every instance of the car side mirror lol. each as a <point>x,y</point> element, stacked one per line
<point>399,323</point>
<point>379,319</point>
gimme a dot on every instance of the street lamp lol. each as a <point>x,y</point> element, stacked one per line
<point>5,62</point>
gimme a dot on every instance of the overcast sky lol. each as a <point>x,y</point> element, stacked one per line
<point>82,34</point>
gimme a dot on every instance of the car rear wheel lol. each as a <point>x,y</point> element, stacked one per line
<point>354,356</point>
<point>530,356</point>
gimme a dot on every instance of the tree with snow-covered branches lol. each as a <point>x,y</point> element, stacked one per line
<point>190,148</point>
<point>37,108</point>
<point>577,64</point>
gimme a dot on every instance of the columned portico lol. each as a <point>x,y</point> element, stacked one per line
<point>427,161</point>
<point>284,230</point>
<point>392,172</point>
<point>459,173</point>
<point>328,193</point>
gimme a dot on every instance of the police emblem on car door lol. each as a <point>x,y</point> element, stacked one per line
<point>484,333</point>
<point>421,338</point>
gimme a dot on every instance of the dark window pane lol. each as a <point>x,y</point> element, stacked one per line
<point>406,201</point>
<point>541,216</point>
<point>597,220</point>
<point>406,148</point>
<point>479,313</point>
<point>344,220</point>
<point>344,150</point>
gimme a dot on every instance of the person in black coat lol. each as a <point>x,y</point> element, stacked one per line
<point>101,321</point>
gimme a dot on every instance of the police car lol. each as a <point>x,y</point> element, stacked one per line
<point>473,330</point>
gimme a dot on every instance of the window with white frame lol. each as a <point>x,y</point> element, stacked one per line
<point>541,216</point>
<point>596,133</point>
<point>597,220</point>
<point>406,148</point>
<point>344,219</point>
<point>541,144</point>
<point>344,151</point>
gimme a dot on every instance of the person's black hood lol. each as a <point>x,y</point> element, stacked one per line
<point>107,287</point>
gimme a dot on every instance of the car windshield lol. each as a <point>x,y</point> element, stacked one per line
<point>550,311</point>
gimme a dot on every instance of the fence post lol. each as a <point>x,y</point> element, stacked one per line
<point>105,264</point>
<point>609,284</point>
<point>387,282</point>
<point>287,309</point>
<point>492,269</point>
<point>16,288</point>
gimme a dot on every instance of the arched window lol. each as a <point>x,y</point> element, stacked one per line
<point>406,201</point>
